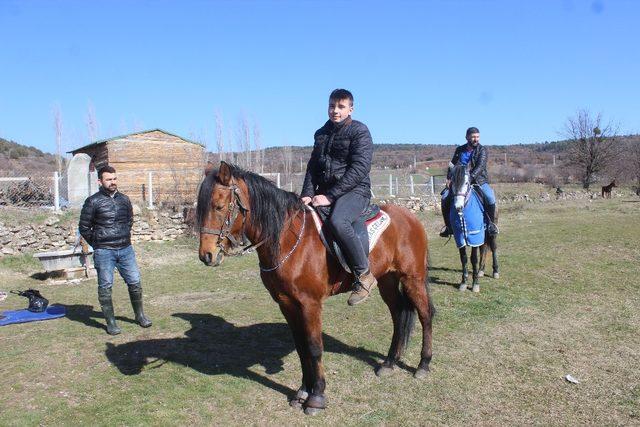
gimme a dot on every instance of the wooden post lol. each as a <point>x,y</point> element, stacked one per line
<point>150,190</point>
<point>433,192</point>
<point>278,179</point>
<point>56,193</point>
<point>390,185</point>
<point>411,184</point>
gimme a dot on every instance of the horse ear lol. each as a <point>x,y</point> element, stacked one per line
<point>224,174</point>
<point>209,168</point>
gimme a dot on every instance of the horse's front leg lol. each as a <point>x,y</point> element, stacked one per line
<point>474,264</point>
<point>312,323</point>
<point>293,316</point>
<point>465,272</point>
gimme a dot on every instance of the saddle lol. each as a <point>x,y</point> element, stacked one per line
<point>375,219</point>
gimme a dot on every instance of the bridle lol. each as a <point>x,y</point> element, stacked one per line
<point>235,208</point>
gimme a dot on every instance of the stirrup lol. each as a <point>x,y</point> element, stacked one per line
<point>444,232</point>
<point>492,229</point>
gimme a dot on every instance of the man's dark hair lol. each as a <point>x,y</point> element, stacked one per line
<point>107,169</point>
<point>472,130</point>
<point>340,94</point>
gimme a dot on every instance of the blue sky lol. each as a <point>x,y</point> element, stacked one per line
<point>421,71</point>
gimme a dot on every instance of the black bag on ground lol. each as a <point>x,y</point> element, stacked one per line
<point>37,303</point>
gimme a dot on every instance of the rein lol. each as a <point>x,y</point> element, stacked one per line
<point>282,261</point>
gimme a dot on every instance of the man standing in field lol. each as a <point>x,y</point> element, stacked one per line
<point>474,155</point>
<point>338,176</point>
<point>105,223</point>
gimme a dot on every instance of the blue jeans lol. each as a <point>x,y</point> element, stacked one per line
<point>489,195</point>
<point>105,260</point>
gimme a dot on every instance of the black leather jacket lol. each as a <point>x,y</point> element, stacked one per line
<point>105,221</point>
<point>340,161</point>
<point>478,164</point>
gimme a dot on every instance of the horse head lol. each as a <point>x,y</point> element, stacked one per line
<point>223,205</point>
<point>460,185</point>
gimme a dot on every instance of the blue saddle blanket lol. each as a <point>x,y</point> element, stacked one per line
<point>22,316</point>
<point>472,234</point>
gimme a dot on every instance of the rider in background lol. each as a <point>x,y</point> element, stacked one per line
<point>475,156</point>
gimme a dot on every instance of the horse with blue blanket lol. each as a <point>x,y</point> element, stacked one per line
<point>469,221</point>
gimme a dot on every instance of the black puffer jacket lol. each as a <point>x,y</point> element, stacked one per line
<point>478,164</point>
<point>105,221</point>
<point>340,161</point>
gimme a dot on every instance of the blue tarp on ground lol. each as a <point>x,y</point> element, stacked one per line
<point>22,316</point>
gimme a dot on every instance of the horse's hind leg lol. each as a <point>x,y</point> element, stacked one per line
<point>390,292</point>
<point>465,272</point>
<point>494,252</point>
<point>483,258</point>
<point>415,288</point>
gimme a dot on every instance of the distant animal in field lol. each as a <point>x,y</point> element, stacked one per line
<point>606,190</point>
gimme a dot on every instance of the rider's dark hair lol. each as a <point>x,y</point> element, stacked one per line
<point>472,130</point>
<point>107,169</point>
<point>340,94</point>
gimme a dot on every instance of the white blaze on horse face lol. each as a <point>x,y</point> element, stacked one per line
<point>461,193</point>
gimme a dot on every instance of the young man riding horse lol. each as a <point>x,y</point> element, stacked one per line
<point>474,155</point>
<point>338,176</point>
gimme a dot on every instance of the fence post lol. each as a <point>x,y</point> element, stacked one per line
<point>397,187</point>
<point>411,184</point>
<point>56,192</point>
<point>433,192</point>
<point>278,179</point>
<point>390,185</point>
<point>150,190</point>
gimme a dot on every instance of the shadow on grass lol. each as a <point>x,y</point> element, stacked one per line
<point>83,313</point>
<point>214,346</point>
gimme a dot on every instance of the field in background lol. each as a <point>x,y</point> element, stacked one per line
<point>220,352</point>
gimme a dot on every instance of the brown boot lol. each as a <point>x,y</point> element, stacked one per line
<point>362,288</point>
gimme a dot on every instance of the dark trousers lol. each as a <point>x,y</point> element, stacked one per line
<point>349,230</point>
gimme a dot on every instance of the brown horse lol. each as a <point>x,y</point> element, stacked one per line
<point>300,274</point>
<point>606,190</point>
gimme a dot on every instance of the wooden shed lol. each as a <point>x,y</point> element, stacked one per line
<point>153,161</point>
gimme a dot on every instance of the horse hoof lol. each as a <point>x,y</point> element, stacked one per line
<point>420,373</point>
<point>296,403</point>
<point>384,371</point>
<point>462,287</point>
<point>312,411</point>
<point>481,273</point>
<point>476,288</point>
<point>496,275</point>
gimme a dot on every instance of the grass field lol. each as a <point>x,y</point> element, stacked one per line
<point>220,353</point>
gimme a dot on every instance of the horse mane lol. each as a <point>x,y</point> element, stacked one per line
<point>457,175</point>
<point>270,206</point>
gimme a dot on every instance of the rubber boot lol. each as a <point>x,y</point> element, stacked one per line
<point>446,207</point>
<point>104,297</point>
<point>135,294</point>
<point>492,228</point>
<point>362,288</point>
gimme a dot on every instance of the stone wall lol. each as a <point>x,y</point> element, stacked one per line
<point>29,237</point>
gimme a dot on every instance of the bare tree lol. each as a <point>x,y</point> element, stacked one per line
<point>92,123</point>
<point>634,154</point>
<point>57,126</point>
<point>287,161</point>
<point>243,137</point>
<point>219,134</point>
<point>592,145</point>
<point>257,144</point>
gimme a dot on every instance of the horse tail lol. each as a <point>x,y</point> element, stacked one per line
<point>406,313</point>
